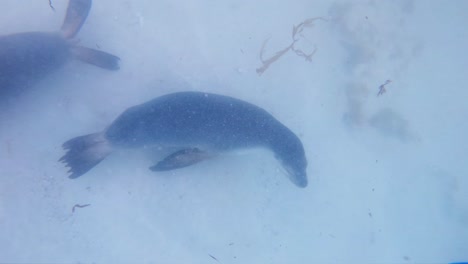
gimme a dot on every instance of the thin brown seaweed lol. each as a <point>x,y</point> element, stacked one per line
<point>296,34</point>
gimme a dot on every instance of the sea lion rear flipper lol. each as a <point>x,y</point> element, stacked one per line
<point>96,57</point>
<point>180,159</point>
<point>77,12</point>
<point>85,152</point>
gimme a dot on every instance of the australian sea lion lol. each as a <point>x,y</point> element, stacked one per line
<point>198,124</point>
<point>26,57</point>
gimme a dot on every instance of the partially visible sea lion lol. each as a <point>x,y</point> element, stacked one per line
<point>197,124</point>
<point>26,57</point>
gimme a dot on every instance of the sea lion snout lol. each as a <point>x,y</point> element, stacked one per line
<point>300,180</point>
<point>296,173</point>
<point>290,152</point>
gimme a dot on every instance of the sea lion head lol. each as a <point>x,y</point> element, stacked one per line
<point>295,169</point>
<point>291,154</point>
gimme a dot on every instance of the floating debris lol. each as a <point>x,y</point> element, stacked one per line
<point>382,89</point>
<point>79,206</point>
<point>213,258</point>
<point>296,33</point>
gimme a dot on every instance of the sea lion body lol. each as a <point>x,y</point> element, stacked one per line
<point>27,57</point>
<point>196,120</point>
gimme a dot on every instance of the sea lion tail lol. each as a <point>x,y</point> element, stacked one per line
<point>96,57</point>
<point>85,152</point>
<point>77,12</point>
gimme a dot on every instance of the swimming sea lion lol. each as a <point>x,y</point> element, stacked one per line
<point>26,57</point>
<point>198,124</point>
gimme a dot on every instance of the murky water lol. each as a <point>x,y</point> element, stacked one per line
<point>374,90</point>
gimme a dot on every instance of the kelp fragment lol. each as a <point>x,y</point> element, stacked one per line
<point>79,206</point>
<point>296,33</point>
<point>382,89</point>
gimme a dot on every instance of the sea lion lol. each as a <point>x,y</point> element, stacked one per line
<point>198,124</point>
<point>26,57</point>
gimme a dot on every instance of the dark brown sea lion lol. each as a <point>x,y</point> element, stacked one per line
<point>26,57</point>
<point>198,125</point>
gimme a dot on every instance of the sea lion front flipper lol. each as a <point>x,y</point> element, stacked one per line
<point>96,57</point>
<point>77,12</point>
<point>180,159</point>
